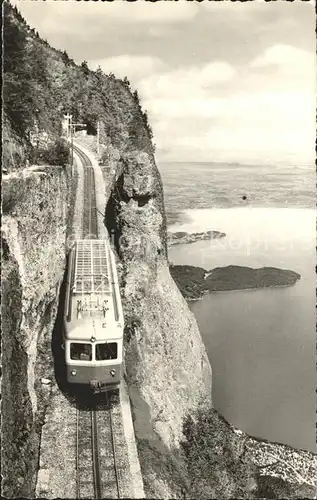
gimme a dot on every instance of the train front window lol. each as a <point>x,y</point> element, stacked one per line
<point>80,352</point>
<point>106,351</point>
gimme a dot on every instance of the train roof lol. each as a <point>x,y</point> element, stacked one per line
<point>89,325</point>
<point>94,304</point>
<point>92,267</point>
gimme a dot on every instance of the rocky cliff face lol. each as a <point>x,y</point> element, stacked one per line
<point>186,449</point>
<point>34,224</point>
<point>168,371</point>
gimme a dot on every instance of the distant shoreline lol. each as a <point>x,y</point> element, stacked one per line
<point>254,289</point>
<point>184,238</point>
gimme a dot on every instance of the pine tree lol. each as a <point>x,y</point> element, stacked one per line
<point>99,73</point>
<point>17,95</point>
<point>126,82</point>
<point>65,57</point>
<point>84,66</point>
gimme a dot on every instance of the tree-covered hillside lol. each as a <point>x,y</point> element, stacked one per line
<point>42,83</point>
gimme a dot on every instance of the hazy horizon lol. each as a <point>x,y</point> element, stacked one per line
<point>281,163</point>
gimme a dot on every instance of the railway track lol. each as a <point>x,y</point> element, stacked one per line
<point>90,225</point>
<point>97,474</point>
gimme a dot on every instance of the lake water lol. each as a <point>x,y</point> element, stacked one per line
<point>261,343</point>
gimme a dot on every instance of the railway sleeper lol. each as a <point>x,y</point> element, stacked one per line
<point>85,443</point>
<point>86,482</point>
<point>107,468</point>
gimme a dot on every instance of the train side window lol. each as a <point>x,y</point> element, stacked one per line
<point>106,351</point>
<point>80,352</point>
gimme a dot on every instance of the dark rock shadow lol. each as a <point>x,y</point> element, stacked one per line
<point>57,339</point>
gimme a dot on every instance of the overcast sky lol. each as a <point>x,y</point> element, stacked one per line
<point>220,80</point>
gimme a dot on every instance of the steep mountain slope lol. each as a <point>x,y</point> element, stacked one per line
<point>41,83</point>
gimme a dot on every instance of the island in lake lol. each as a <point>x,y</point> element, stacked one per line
<point>181,237</point>
<point>194,282</point>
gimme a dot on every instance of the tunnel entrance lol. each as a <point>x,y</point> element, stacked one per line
<point>91,129</point>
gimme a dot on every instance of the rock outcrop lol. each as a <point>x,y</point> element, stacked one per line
<point>224,462</point>
<point>34,225</point>
<point>169,375</point>
<point>167,368</point>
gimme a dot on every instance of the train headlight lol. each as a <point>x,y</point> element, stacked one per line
<point>73,372</point>
<point>112,373</point>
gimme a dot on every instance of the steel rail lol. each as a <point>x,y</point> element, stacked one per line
<point>95,455</point>
<point>115,463</point>
<point>83,156</point>
<point>77,455</point>
<point>90,200</point>
<point>89,186</point>
<point>90,209</point>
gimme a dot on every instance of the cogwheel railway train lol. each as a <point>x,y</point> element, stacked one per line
<point>93,317</point>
